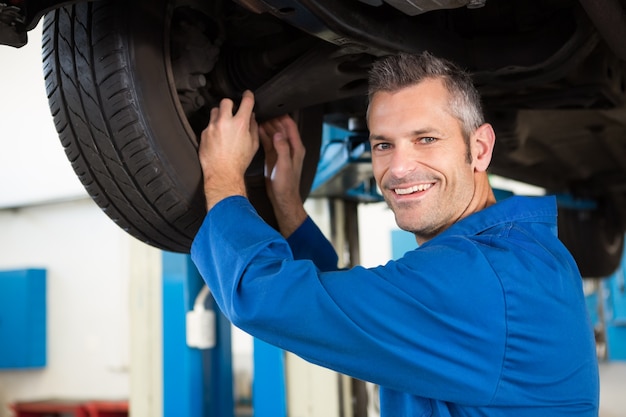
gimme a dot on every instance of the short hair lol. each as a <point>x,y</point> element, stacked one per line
<point>395,72</point>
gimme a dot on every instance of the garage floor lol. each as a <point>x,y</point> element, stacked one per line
<point>613,389</point>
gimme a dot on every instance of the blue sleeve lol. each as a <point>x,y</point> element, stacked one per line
<point>398,325</point>
<point>308,242</point>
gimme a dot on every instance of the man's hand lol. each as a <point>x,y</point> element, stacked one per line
<point>227,147</point>
<point>284,156</point>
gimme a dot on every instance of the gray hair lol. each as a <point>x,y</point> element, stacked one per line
<point>395,72</point>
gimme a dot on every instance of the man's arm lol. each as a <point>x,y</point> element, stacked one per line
<point>227,147</point>
<point>391,325</point>
<point>308,242</point>
<point>343,320</point>
<point>284,157</point>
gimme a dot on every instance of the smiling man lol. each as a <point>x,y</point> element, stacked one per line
<point>418,148</point>
<point>486,318</point>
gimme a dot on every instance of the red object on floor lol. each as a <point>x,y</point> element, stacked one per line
<point>49,408</point>
<point>73,408</point>
<point>107,408</point>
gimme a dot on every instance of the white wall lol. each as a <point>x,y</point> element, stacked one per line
<point>33,167</point>
<point>376,221</point>
<point>88,263</point>
<point>88,258</point>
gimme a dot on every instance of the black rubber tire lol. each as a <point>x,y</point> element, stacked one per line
<point>118,117</point>
<point>594,240</point>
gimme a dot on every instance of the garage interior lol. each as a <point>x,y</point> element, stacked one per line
<point>96,323</point>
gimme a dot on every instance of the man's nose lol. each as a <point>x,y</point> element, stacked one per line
<point>402,163</point>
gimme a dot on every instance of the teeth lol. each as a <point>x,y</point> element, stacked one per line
<point>414,189</point>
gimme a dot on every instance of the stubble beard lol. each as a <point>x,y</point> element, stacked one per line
<point>423,228</point>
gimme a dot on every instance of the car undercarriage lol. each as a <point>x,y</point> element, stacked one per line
<point>552,75</point>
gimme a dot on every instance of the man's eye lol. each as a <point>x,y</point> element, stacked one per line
<point>428,140</point>
<point>382,146</point>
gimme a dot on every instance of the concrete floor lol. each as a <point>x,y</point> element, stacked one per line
<point>613,389</point>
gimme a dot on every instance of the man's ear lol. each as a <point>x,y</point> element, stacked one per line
<point>483,141</point>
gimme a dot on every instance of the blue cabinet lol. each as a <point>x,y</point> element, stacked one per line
<point>23,319</point>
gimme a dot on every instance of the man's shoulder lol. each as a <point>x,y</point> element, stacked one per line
<point>500,216</point>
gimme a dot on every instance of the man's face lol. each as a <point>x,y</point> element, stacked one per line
<point>419,158</point>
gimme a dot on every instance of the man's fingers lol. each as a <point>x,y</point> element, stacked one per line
<point>266,139</point>
<point>206,132</point>
<point>215,111</point>
<point>293,135</point>
<point>225,108</point>
<point>273,126</point>
<point>246,105</point>
<point>282,147</point>
<point>227,105</point>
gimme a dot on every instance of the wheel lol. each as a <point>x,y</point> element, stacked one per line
<point>594,239</point>
<point>125,86</point>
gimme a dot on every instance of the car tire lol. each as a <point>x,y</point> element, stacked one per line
<point>117,112</point>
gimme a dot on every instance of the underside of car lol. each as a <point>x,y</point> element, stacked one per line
<point>131,84</point>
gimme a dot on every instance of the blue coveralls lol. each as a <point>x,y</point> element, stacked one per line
<point>486,319</point>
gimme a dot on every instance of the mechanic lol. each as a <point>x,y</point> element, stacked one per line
<point>485,318</point>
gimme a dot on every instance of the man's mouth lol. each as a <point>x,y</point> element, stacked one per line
<point>413,189</point>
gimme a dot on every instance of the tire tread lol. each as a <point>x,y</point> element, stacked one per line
<point>91,99</point>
